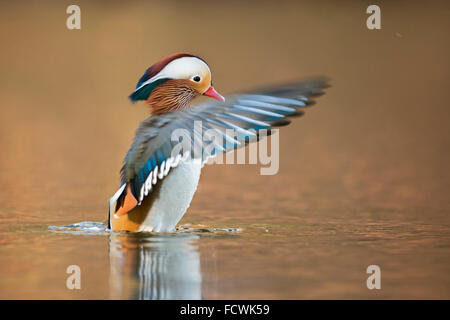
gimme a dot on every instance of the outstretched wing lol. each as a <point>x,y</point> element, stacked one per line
<point>154,152</point>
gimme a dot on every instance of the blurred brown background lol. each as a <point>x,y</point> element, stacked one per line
<point>375,148</point>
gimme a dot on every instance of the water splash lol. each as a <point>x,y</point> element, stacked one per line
<point>100,228</point>
<point>82,228</point>
<point>203,229</point>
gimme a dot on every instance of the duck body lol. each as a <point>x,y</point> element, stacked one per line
<point>159,180</point>
<point>170,200</point>
<point>174,197</point>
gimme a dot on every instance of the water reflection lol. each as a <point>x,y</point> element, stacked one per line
<point>155,266</point>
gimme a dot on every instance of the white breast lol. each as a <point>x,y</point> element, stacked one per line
<point>174,198</point>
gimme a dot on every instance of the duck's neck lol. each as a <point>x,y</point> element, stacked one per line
<point>171,95</point>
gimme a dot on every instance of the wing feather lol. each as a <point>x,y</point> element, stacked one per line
<point>152,156</point>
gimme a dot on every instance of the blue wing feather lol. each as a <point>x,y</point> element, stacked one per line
<point>244,113</point>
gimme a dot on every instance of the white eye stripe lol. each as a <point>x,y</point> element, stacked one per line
<point>181,68</point>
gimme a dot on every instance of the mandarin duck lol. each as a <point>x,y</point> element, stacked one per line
<point>158,182</point>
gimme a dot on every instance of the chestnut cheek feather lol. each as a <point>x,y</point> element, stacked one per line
<point>171,95</point>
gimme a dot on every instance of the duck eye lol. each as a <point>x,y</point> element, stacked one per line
<point>196,79</point>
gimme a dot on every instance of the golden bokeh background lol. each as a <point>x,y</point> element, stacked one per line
<point>370,160</point>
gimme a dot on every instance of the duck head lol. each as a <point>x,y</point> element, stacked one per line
<point>173,82</point>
